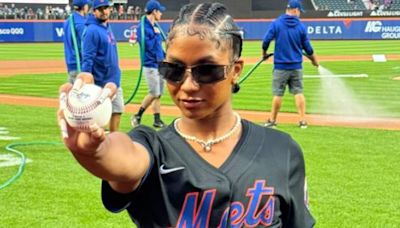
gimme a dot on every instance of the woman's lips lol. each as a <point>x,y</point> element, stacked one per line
<point>191,103</point>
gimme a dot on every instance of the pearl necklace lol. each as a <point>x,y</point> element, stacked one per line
<point>207,144</point>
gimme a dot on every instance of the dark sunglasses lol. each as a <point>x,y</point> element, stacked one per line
<point>201,74</point>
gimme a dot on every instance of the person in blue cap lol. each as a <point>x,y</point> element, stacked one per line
<point>291,39</point>
<point>153,54</point>
<point>100,56</point>
<point>74,26</point>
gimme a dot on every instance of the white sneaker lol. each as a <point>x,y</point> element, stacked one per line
<point>270,124</point>
<point>303,124</point>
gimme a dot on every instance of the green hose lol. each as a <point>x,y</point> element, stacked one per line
<point>253,68</point>
<point>142,51</point>
<point>161,31</point>
<point>142,46</point>
<point>23,159</point>
<point>72,26</point>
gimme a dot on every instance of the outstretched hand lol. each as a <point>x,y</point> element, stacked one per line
<point>77,141</point>
<point>112,157</point>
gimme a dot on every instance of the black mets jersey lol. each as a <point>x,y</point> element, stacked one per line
<point>260,184</point>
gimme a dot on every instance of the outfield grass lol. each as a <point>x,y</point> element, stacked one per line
<point>50,51</point>
<point>378,94</point>
<point>352,173</point>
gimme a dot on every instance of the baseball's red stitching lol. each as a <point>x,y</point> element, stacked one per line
<point>84,109</point>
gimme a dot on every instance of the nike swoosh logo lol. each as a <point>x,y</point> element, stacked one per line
<point>163,170</point>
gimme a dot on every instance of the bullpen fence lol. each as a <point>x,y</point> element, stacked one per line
<point>318,29</point>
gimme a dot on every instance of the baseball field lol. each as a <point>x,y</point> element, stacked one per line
<point>350,148</point>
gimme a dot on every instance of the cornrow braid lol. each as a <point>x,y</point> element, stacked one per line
<point>185,11</point>
<point>209,20</point>
<point>198,14</point>
<point>214,11</point>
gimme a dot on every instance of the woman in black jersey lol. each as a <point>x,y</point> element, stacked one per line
<point>209,168</point>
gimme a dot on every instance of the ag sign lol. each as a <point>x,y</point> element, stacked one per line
<point>385,31</point>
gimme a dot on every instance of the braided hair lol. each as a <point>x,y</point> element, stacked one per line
<point>208,20</point>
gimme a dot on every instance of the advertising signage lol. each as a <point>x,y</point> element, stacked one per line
<point>332,29</point>
<point>382,13</point>
<point>338,13</point>
<point>360,13</point>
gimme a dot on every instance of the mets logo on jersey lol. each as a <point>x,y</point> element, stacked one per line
<point>111,38</point>
<point>194,215</point>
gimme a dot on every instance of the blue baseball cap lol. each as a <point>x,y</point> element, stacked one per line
<point>154,5</point>
<point>80,3</point>
<point>99,3</point>
<point>295,4</point>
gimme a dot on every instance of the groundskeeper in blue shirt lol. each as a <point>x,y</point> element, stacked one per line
<point>154,52</point>
<point>291,39</point>
<point>100,54</point>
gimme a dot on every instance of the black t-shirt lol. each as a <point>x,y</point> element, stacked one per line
<point>260,184</point>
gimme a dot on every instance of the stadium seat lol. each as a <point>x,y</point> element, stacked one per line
<point>339,5</point>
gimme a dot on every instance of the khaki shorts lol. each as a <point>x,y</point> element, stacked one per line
<point>155,81</point>
<point>118,105</point>
<point>292,78</point>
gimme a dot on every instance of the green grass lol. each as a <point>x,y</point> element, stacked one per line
<point>352,173</point>
<point>51,51</point>
<point>53,190</point>
<point>352,176</point>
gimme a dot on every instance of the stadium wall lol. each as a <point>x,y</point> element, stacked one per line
<point>318,29</point>
<point>248,9</point>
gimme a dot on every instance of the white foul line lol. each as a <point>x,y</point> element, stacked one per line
<point>337,76</point>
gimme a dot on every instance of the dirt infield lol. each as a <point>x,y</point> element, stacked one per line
<point>314,120</point>
<point>10,68</point>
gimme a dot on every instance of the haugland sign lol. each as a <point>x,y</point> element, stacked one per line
<point>383,29</point>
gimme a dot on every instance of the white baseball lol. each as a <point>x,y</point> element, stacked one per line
<point>87,107</point>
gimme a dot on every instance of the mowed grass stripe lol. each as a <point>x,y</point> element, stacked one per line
<point>255,92</point>
<point>339,47</point>
<point>250,49</point>
<point>30,51</point>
